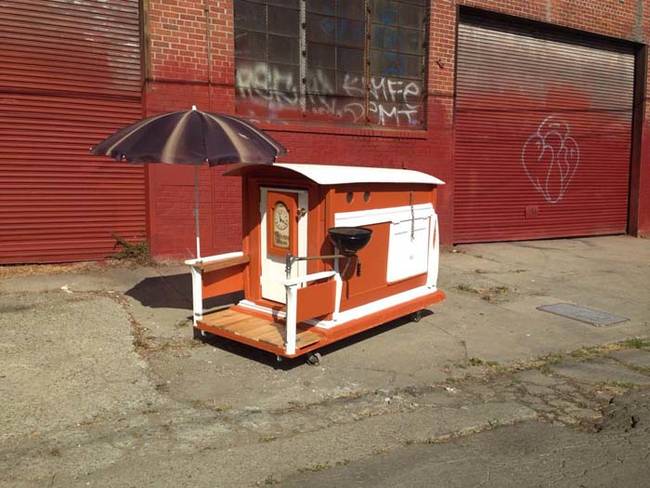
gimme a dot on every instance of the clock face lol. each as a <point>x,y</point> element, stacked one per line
<point>281,225</point>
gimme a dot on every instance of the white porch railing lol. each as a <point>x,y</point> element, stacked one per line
<point>196,266</point>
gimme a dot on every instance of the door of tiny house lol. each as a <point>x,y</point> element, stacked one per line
<point>283,226</point>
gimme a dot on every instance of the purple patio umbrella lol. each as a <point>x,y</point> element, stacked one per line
<point>190,137</point>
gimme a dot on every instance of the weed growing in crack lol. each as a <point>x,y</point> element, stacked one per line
<point>625,385</point>
<point>466,288</point>
<point>137,252</point>
<point>268,481</point>
<point>636,343</point>
<point>314,468</point>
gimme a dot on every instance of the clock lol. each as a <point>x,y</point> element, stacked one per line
<point>281,226</point>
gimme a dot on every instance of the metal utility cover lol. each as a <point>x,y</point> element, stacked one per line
<point>590,316</point>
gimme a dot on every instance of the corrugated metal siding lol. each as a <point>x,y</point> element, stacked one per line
<point>71,75</point>
<point>543,134</point>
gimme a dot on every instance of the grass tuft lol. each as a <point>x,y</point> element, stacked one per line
<point>137,252</point>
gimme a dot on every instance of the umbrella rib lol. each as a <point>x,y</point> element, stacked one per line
<point>129,134</point>
<point>278,147</point>
<point>174,139</point>
<point>234,138</point>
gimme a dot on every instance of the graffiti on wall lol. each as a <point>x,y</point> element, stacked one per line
<point>390,101</point>
<point>550,157</point>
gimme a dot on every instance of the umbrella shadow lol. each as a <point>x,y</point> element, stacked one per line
<point>175,291</point>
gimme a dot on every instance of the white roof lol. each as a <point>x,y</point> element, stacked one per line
<point>328,174</point>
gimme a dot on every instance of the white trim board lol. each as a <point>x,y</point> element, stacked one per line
<point>353,313</point>
<point>379,215</point>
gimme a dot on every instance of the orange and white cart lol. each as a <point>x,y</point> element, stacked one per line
<point>327,252</point>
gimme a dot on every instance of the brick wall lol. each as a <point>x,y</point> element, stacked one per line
<point>182,71</point>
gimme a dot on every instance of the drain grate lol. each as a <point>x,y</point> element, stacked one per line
<point>597,318</point>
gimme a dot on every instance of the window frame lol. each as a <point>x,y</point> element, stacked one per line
<point>413,83</point>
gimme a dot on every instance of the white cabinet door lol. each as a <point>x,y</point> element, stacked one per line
<point>408,249</point>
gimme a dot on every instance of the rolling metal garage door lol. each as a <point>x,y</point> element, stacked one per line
<point>70,76</point>
<point>543,133</point>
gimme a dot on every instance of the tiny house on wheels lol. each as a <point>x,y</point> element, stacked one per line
<point>327,252</point>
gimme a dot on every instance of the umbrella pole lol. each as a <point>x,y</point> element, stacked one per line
<point>196,210</point>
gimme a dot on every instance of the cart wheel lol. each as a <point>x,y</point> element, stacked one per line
<point>198,334</point>
<point>314,359</point>
<point>417,316</point>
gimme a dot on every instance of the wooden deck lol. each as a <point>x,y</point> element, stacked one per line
<point>254,329</point>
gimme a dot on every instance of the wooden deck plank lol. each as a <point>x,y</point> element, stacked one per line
<point>274,337</point>
<point>217,318</point>
<point>232,321</point>
<point>256,328</point>
<point>246,325</point>
<point>306,338</point>
<point>265,330</point>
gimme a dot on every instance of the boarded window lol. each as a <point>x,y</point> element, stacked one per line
<point>348,61</point>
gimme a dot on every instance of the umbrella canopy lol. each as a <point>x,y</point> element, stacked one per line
<point>190,137</point>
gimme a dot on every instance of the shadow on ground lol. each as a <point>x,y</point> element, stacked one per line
<point>269,359</point>
<point>174,291</point>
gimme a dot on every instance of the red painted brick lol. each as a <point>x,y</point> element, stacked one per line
<point>179,75</point>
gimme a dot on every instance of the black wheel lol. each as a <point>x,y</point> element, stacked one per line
<point>417,316</point>
<point>198,334</point>
<point>314,359</point>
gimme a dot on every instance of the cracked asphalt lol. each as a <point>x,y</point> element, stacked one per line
<point>531,454</point>
<point>101,383</point>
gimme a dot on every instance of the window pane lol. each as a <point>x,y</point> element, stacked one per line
<point>383,37</point>
<point>385,12</point>
<point>352,9</point>
<point>321,55</point>
<point>284,50</point>
<point>386,63</point>
<point>350,33</point>
<point>336,108</point>
<point>411,16</point>
<point>251,16</point>
<point>393,39</point>
<point>350,60</point>
<point>335,89</point>
<point>321,81</point>
<point>283,21</point>
<point>284,3</point>
<point>351,85</point>
<point>321,29</point>
<point>410,41</point>
<point>250,45</point>
<point>284,79</point>
<point>251,77</point>
<point>325,7</point>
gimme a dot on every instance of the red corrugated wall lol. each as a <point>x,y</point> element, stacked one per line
<point>71,75</point>
<point>543,133</point>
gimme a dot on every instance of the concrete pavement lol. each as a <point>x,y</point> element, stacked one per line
<point>99,375</point>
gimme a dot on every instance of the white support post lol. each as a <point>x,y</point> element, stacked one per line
<point>338,291</point>
<point>434,253</point>
<point>197,295</point>
<point>292,305</point>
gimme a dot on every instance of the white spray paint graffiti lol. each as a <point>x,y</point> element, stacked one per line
<point>550,158</point>
<point>272,85</point>
<point>391,102</point>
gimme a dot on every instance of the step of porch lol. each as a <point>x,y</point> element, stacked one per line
<point>255,328</point>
